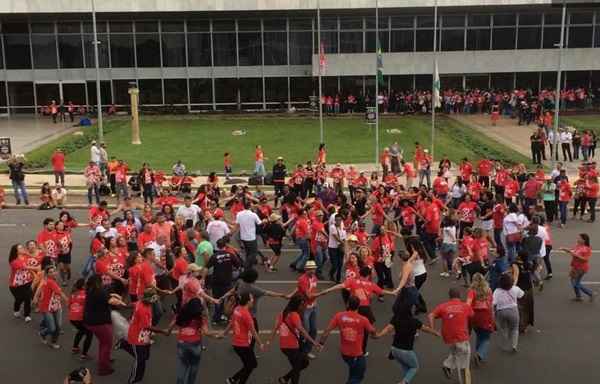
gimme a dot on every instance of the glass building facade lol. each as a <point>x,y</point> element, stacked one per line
<point>257,63</point>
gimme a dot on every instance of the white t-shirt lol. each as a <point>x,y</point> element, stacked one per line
<point>95,154</point>
<point>216,230</point>
<point>189,213</point>
<point>449,235</point>
<point>502,299</point>
<point>542,234</point>
<point>511,223</point>
<point>341,234</point>
<point>247,220</point>
<point>419,267</point>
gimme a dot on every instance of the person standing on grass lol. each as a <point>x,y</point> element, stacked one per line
<point>353,327</point>
<point>289,326</point>
<point>580,265</point>
<point>455,316</point>
<point>244,337</point>
<point>146,177</point>
<point>58,166</point>
<point>259,162</point>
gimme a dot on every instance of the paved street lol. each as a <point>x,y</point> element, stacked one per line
<point>563,347</point>
<point>27,132</point>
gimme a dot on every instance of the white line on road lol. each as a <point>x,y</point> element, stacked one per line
<point>9,225</point>
<point>287,282</point>
<point>590,282</point>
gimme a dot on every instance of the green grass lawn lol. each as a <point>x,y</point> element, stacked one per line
<point>583,122</point>
<point>200,143</point>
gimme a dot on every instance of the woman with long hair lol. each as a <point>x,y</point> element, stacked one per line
<point>506,312</point>
<point>580,265</point>
<point>522,272</point>
<point>192,325</point>
<point>19,281</point>
<point>65,245</point>
<point>479,297</point>
<point>76,307</point>
<point>289,326</point>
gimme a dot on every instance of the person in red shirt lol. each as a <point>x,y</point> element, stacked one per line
<point>49,299</point>
<point>303,234</point>
<point>352,327</point>
<point>244,334</point>
<point>289,326</point>
<point>65,244</point>
<point>592,189</point>
<point>58,166</point>
<point>580,265</point>
<point>440,186</point>
<point>565,194</point>
<point>97,214</point>
<point>479,297</point>
<point>531,190</point>
<point>467,212</point>
<point>455,316</point>
<point>138,340</point>
<point>466,170</point>
<point>76,305</point>
<point>20,279</point>
<point>46,239</point>
<point>484,169</point>
<point>192,325</point>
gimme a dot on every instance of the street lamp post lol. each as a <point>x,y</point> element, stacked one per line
<point>554,144</point>
<point>97,65</point>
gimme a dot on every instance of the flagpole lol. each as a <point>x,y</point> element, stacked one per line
<point>322,139</point>
<point>434,95</point>
<point>377,83</point>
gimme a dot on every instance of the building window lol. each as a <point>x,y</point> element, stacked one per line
<point>478,39</point>
<point>20,94</point>
<point>150,91</point>
<point>275,48</point>
<point>351,85</point>
<point>276,89</point>
<point>148,49</point>
<point>503,38</point>
<point>403,40</point>
<point>16,48</point>
<point>104,92</point>
<point>121,92</point>
<point>226,91</point>
<point>453,40</point>
<point>351,42</point>
<point>330,85</point>
<point>251,90</point>
<point>199,50</point>
<point>121,50</point>
<point>250,48</point>
<point>88,47</point>
<point>176,91</point>
<point>529,38</point>
<point>424,40</point>
<point>329,40</point>
<point>201,91</point>
<point>576,79</point>
<point>173,49</point>
<point>120,26</point>
<point>477,81</point>
<point>44,51</point>
<point>70,51</point>
<point>548,80</point>
<point>224,47</point>
<point>300,48</point>
<point>371,44</point>
<point>551,37</point>
<point>580,37</point>
<point>502,81</point>
<point>423,81</point>
<point>301,88</point>
<point>401,83</point>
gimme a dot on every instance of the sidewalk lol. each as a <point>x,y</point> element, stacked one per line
<point>27,132</point>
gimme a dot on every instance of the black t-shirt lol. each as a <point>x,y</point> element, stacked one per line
<point>223,264</point>
<point>405,330</point>
<point>96,310</point>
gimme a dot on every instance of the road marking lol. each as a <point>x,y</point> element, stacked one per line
<point>287,282</point>
<point>283,250</point>
<point>590,282</point>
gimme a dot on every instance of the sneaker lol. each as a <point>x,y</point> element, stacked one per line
<point>444,274</point>
<point>17,315</point>
<point>54,346</point>
<point>311,356</point>
<point>84,357</point>
<point>27,319</point>
<point>75,350</point>
<point>366,354</point>
<point>229,380</point>
<point>541,286</point>
<point>43,339</point>
<point>548,276</point>
<point>380,299</point>
<point>447,372</point>
<point>282,380</point>
<point>514,350</point>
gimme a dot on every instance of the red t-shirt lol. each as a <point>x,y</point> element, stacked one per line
<point>455,316</point>
<point>466,170</point>
<point>58,161</point>
<point>382,247</point>
<point>302,228</point>
<point>408,216</point>
<point>76,305</point>
<point>565,192</point>
<point>498,215</point>
<point>47,241</point>
<point>362,289</point>
<point>63,242</point>
<point>139,334</point>
<point>432,219</point>
<point>466,211</point>
<point>484,167</point>
<point>480,249</point>
<point>145,278</point>
<point>191,333</point>
<point>591,190</point>
<point>586,253</point>
<point>483,317</point>
<point>179,268</point>
<point>378,214</point>
<point>242,325</point>
<point>134,273</point>
<point>144,238</point>
<point>352,328</point>
<point>18,274</point>
<point>50,297</point>
<point>288,337</point>
<point>440,186</point>
<point>531,189</point>
<point>351,272</point>
<point>307,286</point>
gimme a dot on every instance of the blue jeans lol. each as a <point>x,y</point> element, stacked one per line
<point>577,286</point>
<point>259,168</point>
<point>93,189</point>
<point>50,325</point>
<point>511,251</point>
<point>309,322</point>
<point>408,361</point>
<point>357,367</point>
<point>188,361</point>
<point>336,256</point>
<point>562,208</point>
<point>320,258</point>
<point>20,191</point>
<point>304,253</point>
<point>482,343</point>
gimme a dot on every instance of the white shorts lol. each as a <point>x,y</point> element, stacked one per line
<point>487,225</point>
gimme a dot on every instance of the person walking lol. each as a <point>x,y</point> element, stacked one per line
<point>580,265</point>
<point>479,297</point>
<point>405,328</point>
<point>244,337</point>
<point>455,316</point>
<point>17,178</point>
<point>352,327</point>
<point>246,222</point>
<point>289,326</point>
<point>49,297</point>
<point>58,166</point>
<point>522,271</point>
<point>19,281</point>
<point>506,312</point>
<point>76,308</point>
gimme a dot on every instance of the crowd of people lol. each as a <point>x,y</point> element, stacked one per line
<point>197,257</point>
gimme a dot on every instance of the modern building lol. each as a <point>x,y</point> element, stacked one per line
<point>262,54</point>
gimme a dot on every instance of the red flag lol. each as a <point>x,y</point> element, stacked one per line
<point>322,58</point>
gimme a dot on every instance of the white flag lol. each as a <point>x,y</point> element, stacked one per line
<point>437,102</point>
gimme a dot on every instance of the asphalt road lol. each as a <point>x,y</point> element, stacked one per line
<point>563,346</point>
